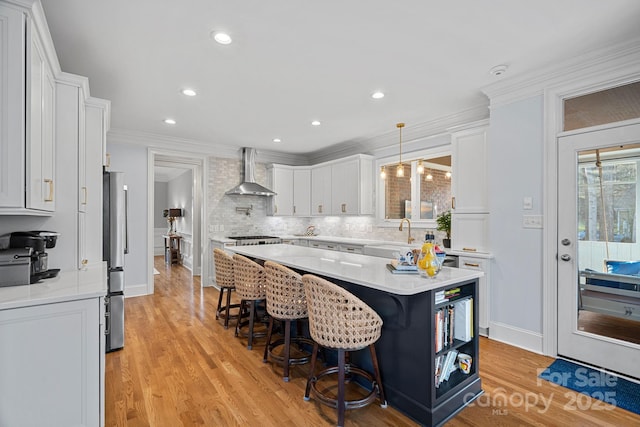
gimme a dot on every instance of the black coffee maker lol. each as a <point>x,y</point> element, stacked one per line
<point>37,241</point>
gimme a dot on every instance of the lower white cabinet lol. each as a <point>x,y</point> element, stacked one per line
<point>52,364</point>
<point>470,232</point>
<point>480,264</point>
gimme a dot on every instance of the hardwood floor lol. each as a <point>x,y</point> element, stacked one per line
<point>180,367</point>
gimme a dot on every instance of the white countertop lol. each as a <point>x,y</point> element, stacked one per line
<point>363,270</point>
<point>67,286</point>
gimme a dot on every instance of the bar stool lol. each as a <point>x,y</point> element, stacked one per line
<point>339,320</point>
<point>286,302</point>
<point>251,287</point>
<point>225,279</point>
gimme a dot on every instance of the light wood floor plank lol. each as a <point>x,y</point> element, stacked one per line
<point>180,367</point>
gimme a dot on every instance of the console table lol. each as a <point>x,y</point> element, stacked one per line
<point>172,249</point>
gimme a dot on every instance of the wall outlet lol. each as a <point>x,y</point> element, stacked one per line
<point>532,221</point>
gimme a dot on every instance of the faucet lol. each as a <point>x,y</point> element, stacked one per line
<point>409,238</point>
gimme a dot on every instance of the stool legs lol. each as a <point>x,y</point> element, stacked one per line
<point>312,370</point>
<point>224,311</point>
<point>340,403</point>
<point>376,371</point>
<point>250,306</point>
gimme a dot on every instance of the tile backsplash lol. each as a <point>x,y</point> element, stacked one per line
<point>225,220</point>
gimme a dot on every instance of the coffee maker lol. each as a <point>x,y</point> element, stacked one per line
<point>33,244</point>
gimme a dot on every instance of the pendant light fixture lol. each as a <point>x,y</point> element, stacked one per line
<point>383,172</point>
<point>429,177</point>
<point>448,174</point>
<point>400,168</point>
<point>420,167</point>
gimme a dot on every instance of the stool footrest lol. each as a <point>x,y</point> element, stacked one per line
<point>301,360</point>
<point>349,404</point>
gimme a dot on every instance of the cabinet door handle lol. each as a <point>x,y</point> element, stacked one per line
<point>350,249</point>
<point>294,209</point>
<point>469,249</point>
<point>275,208</point>
<point>453,202</point>
<point>84,192</point>
<point>344,207</point>
<point>108,160</point>
<point>471,264</point>
<point>319,208</point>
<point>50,198</point>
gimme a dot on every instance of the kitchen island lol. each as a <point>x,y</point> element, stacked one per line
<point>408,305</point>
<point>52,358</point>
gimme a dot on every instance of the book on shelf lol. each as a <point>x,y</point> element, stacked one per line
<point>446,295</point>
<point>444,366</point>
<point>463,322</point>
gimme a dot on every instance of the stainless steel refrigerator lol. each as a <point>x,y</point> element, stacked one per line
<point>114,247</point>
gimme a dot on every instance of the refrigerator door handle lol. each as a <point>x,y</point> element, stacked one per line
<point>107,315</point>
<point>126,220</point>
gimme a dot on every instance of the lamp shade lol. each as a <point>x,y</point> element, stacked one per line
<point>173,212</point>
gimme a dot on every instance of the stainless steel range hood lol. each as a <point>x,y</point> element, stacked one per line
<point>249,186</point>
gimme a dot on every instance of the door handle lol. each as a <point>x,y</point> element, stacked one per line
<point>565,257</point>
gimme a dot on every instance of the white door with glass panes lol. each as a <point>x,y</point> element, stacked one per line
<point>599,248</point>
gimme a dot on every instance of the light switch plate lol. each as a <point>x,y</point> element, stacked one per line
<point>532,221</point>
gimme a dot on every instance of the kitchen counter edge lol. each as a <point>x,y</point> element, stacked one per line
<point>67,286</point>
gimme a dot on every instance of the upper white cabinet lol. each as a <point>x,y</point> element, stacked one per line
<point>469,169</point>
<point>470,208</point>
<point>321,190</point>
<point>292,185</point>
<point>343,187</point>
<point>96,116</point>
<point>27,143</point>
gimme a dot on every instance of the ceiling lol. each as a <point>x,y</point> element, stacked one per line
<point>292,62</point>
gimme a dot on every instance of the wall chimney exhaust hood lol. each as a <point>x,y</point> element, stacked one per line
<point>248,186</point>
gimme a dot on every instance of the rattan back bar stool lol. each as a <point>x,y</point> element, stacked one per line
<point>251,288</point>
<point>225,280</point>
<point>286,302</point>
<point>341,321</point>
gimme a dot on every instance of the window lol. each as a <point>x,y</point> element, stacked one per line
<point>616,199</point>
<point>420,197</point>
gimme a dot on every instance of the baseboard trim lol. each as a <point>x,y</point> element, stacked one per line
<point>136,291</point>
<point>525,339</point>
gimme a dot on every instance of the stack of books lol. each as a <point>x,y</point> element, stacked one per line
<point>445,365</point>
<point>397,267</point>
<point>446,295</point>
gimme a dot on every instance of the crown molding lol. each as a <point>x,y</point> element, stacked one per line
<point>534,83</point>
<point>69,79</point>
<point>170,143</point>
<point>412,135</point>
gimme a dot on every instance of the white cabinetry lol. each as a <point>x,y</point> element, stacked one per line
<point>470,213</point>
<point>469,169</point>
<point>292,185</point>
<point>40,147</point>
<point>343,187</point>
<point>321,190</point>
<point>27,107</point>
<point>90,194</point>
<point>480,264</point>
<point>51,363</point>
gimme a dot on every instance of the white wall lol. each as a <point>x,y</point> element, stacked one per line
<point>132,160</point>
<point>180,195</point>
<point>516,171</point>
<point>160,203</point>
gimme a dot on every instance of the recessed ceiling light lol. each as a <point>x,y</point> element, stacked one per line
<point>315,123</point>
<point>222,38</point>
<point>189,92</point>
<point>277,140</point>
<point>170,121</point>
<point>377,95</point>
